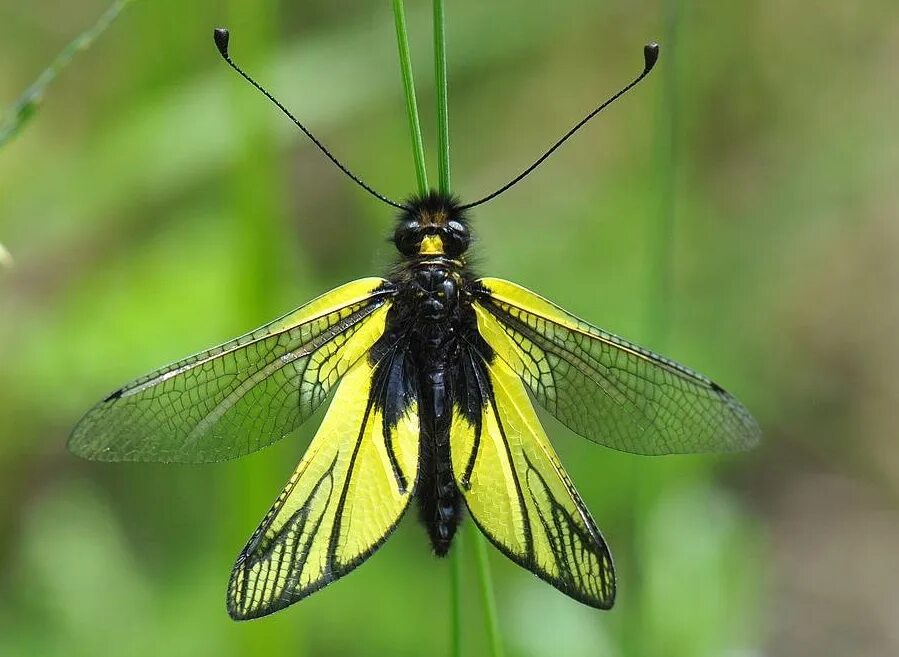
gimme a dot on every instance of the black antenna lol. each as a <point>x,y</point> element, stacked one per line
<point>221,36</point>
<point>650,57</point>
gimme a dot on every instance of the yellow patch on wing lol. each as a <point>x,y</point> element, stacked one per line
<point>340,297</point>
<point>517,355</point>
<point>341,503</point>
<point>520,495</point>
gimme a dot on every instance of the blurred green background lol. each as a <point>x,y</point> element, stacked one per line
<point>737,211</point>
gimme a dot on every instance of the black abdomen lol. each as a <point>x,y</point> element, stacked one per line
<point>427,316</point>
<point>439,501</point>
<point>434,306</point>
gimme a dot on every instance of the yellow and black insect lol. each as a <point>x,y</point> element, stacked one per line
<point>432,371</point>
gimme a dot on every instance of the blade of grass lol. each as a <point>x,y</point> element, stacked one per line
<point>443,155</point>
<point>647,485</point>
<point>402,42</point>
<point>27,106</point>
<point>661,242</point>
<point>456,597</point>
<point>443,182</point>
<point>486,584</point>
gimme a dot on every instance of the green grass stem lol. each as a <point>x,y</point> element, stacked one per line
<point>443,150</point>
<point>661,257</point>
<point>647,489</point>
<point>488,599</point>
<point>27,105</point>
<point>418,150</point>
<point>456,597</point>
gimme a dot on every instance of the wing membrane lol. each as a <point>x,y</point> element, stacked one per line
<point>605,388</point>
<point>242,395</point>
<point>345,497</point>
<point>517,490</point>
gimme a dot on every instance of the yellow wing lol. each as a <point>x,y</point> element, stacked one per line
<point>242,395</point>
<point>602,386</point>
<point>517,490</point>
<point>345,497</point>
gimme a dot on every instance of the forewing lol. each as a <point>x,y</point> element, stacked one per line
<point>605,388</point>
<point>242,395</point>
<point>517,490</point>
<point>345,497</point>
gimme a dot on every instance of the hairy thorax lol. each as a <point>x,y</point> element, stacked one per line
<point>434,306</point>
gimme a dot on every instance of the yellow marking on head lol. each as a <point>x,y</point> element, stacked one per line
<point>431,245</point>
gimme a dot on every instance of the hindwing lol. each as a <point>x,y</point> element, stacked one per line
<point>516,489</point>
<point>345,497</point>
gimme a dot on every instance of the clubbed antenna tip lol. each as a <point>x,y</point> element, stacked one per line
<point>650,55</point>
<point>221,36</point>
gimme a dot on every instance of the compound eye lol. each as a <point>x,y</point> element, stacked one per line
<point>407,237</point>
<point>457,238</point>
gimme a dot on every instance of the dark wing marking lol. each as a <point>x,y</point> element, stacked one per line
<point>342,502</point>
<point>605,388</point>
<point>240,396</point>
<point>516,489</point>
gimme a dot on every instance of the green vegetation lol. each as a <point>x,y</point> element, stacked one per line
<point>24,109</point>
<point>737,210</point>
<point>418,150</point>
